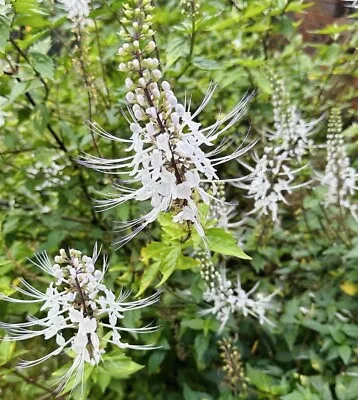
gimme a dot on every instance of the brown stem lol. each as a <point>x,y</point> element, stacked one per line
<point>31,381</point>
<point>87,84</point>
<point>103,70</point>
<point>83,301</point>
<point>38,75</point>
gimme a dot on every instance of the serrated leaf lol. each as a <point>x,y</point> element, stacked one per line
<point>224,243</point>
<point>154,250</point>
<point>171,230</point>
<point>177,47</point>
<point>42,46</point>
<point>44,65</point>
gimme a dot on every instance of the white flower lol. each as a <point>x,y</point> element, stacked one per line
<point>51,174</point>
<point>273,177</point>
<point>75,303</point>
<point>76,9</point>
<point>290,132</point>
<point>339,177</point>
<point>229,299</point>
<point>169,164</point>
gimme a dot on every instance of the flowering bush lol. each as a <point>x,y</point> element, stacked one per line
<point>205,155</point>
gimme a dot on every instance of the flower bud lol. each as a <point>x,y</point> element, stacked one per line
<point>157,74</point>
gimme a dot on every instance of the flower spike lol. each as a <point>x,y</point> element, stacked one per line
<point>76,301</point>
<point>167,163</point>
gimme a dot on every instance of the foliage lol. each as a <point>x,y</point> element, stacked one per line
<point>55,74</point>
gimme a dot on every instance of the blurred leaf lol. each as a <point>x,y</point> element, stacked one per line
<point>349,288</point>
<point>4,32</point>
<point>7,349</point>
<point>345,353</point>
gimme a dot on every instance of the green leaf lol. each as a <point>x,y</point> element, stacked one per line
<point>119,366</point>
<point>205,64</point>
<point>298,6</point>
<point>29,13</point>
<point>190,394</point>
<point>224,243</point>
<point>42,46</point>
<point>171,230</point>
<point>185,262</point>
<point>345,353</point>
<point>352,253</point>
<point>296,395</point>
<point>252,10</point>
<point>177,47</point>
<point>23,87</point>
<point>201,345</point>
<point>337,335</point>
<point>103,380</point>
<point>155,359</point>
<point>261,80</point>
<point>4,32</point>
<point>7,349</point>
<point>169,263</point>
<point>350,330</point>
<point>153,250</point>
<point>346,387</point>
<point>196,323</point>
<point>43,65</point>
<point>259,379</point>
<point>150,273</point>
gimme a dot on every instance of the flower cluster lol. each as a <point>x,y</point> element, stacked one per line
<point>51,175</point>
<point>77,10</point>
<point>77,305</point>
<point>191,6</point>
<point>339,177</point>
<point>273,177</point>
<point>222,211</point>
<point>169,166</point>
<point>290,132</point>
<point>229,299</point>
<point>232,365</point>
